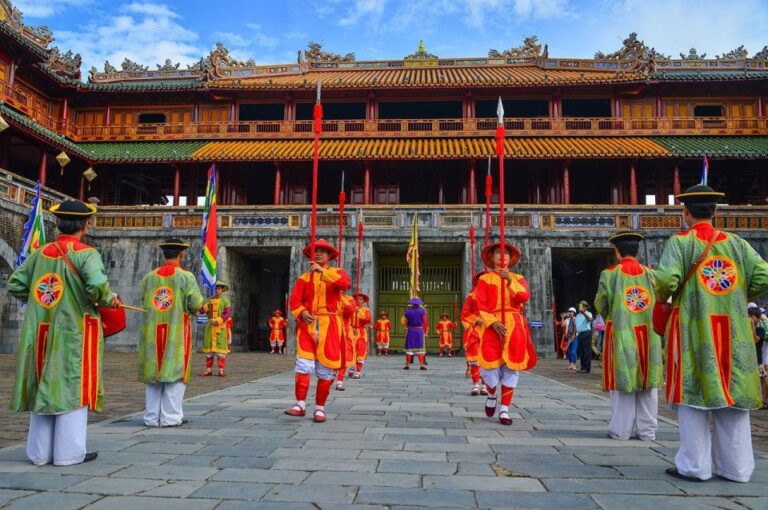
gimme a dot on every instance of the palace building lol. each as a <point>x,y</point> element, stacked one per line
<point>593,146</point>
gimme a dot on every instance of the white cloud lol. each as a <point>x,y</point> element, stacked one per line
<point>367,10</point>
<point>144,32</point>
<point>46,8</point>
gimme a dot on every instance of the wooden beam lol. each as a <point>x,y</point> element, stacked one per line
<point>42,174</point>
<point>566,182</point>
<point>367,183</point>
<point>278,183</point>
<point>676,189</point>
<point>633,183</point>
<point>176,184</point>
<point>472,182</point>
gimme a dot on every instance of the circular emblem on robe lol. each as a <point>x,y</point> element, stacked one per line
<point>637,299</point>
<point>718,275</point>
<point>48,290</point>
<point>163,299</point>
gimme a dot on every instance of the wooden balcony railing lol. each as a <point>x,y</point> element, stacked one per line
<point>394,128</point>
<point>566,126</point>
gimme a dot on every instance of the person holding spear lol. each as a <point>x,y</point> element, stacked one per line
<point>315,302</point>
<point>505,338</point>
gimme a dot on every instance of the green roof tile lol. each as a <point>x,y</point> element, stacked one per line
<point>141,151</point>
<point>27,123</point>
<point>709,75</point>
<point>744,147</point>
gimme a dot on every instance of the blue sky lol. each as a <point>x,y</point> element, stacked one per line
<point>268,31</point>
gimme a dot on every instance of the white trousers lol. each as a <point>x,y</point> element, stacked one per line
<point>310,366</point>
<point>728,445</point>
<point>503,374</point>
<point>634,415</point>
<point>57,438</point>
<point>163,404</point>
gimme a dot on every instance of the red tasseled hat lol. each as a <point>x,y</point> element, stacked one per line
<point>322,244</point>
<point>514,254</point>
<point>360,294</point>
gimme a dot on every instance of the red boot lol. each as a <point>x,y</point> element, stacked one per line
<point>222,364</point>
<point>208,367</point>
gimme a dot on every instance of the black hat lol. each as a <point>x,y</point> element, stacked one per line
<point>700,194</point>
<point>73,210</point>
<point>174,243</point>
<point>627,235</point>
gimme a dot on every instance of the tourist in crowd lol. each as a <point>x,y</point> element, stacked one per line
<point>170,296</point>
<point>61,284</point>
<point>584,337</point>
<point>598,333</point>
<point>316,303</point>
<point>632,365</point>
<point>506,347</point>
<point>572,346</point>
<point>710,352</point>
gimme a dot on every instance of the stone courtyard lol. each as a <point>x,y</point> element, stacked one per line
<point>393,440</point>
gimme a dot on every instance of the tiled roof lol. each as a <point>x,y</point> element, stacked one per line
<point>141,151</point>
<point>430,148</point>
<point>715,146</point>
<point>25,123</point>
<point>434,77</point>
<point>696,75</point>
<point>143,85</point>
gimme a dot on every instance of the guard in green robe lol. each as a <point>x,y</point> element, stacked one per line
<point>216,340</point>
<point>171,297</point>
<point>58,365</point>
<point>710,353</point>
<point>631,354</point>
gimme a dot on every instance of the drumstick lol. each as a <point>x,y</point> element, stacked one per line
<point>134,308</point>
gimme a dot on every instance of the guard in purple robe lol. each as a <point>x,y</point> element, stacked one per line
<point>414,320</point>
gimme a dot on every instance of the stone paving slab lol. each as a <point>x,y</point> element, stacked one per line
<point>392,441</point>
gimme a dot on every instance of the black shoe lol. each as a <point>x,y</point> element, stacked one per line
<point>675,473</point>
<point>422,367</point>
<point>582,372</point>
<point>406,367</point>
<point>90,456</point>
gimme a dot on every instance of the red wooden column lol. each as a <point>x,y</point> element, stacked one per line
<point>288,109</point>
<point>176,184</point>
<point>566,182</point>
<point>81,193</point>
<point>64,113</point>
<point>370,109</point>
<point>676,189</point>
<point>440,189</point>
<point>555,105</point>
<point>472,182</point>
<point>278,183</point>
<point>367,183</point>
<point>633,183</point>
<point>42,174</point>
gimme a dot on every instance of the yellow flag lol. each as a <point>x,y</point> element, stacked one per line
<point>412,256</point>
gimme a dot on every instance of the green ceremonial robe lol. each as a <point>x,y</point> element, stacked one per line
<point>631,350</point>
<point>170,295</point>
<point>711,360</point>
<point>58,366</point>
<point>216,341</point>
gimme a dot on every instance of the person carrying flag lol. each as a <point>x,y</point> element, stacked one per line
<point>382,328</point>
<point>171,297</point>
<point>277,327</point>
<point>215,345</point>
<point>316,303</point>
<point>505,338</point>
<point>59,357</point>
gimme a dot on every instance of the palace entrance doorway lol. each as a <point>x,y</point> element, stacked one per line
<point>440,282</point>
<point>575,273</point>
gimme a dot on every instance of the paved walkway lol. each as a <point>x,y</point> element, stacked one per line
<point>394,440</point>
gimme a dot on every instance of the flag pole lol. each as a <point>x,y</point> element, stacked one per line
<point>359,254</point>
<point>472,249</point>
<point>317,115</point>
<point>500,136</point>
<point>342,200</point>
<point>488,193</point>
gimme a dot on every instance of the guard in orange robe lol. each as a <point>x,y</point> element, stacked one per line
<point>347,339</point>
<point>277,327</point>
<point>315,302</point>
<point>470,319</point>
<point>444,329</point>
<point>505,344</point>
<point>382,327</point>
<point>360,322</point>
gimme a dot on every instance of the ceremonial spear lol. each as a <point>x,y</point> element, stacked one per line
<point>488,193</point>
<point>500,153</point>
<point>472,249</point>
<point>359,253</point>
<point>317,114</point>
<point>342,200</point>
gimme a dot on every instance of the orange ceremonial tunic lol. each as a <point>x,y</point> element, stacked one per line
<point>348,310</point>
<point>276,327</point>
<point>471,339</point>
<point>382,328</point>
<point>360,320</point>
<point>444,330</point>
<point>516,350</point>
<point>320,294</point>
